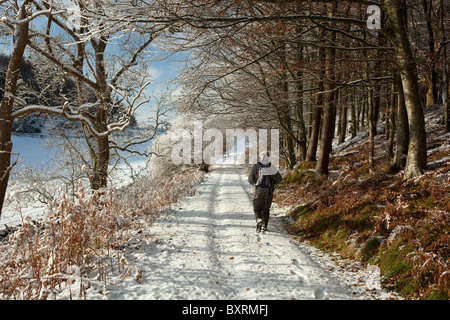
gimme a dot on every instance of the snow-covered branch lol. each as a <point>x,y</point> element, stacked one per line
<point>71,114</point>
<point>39,13</point>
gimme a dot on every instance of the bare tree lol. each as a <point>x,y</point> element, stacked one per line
<point>218,29</point>
<point>18,17</point>
<point>64,45</point>
<point>416,160</point>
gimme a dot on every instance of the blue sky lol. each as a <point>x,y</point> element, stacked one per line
<point>162,74</point>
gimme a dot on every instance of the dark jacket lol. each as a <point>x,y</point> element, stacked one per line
<point>253,178</point>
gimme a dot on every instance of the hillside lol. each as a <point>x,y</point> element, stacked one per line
<point>401,226</point>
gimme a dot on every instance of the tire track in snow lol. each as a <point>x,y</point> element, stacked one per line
<point>208,249</point>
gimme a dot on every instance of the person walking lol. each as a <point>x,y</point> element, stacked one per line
<point>264,176</point>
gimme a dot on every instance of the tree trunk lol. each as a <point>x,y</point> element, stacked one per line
<point>445,68</point>
<point>327,134</point>
<point>371,125</point>
<point>285,122</point>
<point>317,113</point>
<point>299,106</point>
<point>12,74</point>
<point>431,78</point>
<point>343,119</point>
<point>376,87</point>
<point>101,164</point>
<point>370,118</point>
<point>402,128</point>
<point>387,119</point>
<point>393,125</point>
<point>358,111</point>
<point>362,111</point>
<point>329,117</point>
<point>100,149</point>
<point>354,120</point>
<point>416,161</point>
<point>447,101</point>
<point>313,141</point>
<point>291,152</point>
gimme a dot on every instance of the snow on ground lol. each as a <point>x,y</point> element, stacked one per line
<point>207,249</point>
<point>32,152</point>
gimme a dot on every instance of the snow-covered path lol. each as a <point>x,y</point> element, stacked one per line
<point>207,249</point>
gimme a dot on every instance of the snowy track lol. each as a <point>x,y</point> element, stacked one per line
<point>208,249</point>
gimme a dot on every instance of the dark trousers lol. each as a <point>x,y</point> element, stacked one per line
<point>262,202</point>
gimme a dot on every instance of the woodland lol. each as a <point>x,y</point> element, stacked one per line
<point>325,73</point>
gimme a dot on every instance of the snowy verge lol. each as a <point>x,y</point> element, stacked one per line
<point>207,249</point>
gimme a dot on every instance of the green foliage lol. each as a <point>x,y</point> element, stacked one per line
<point>392,261</point>
<point>301,174</point>
<point>369,249</point>
<point>300,211</point>
<point>436,294</point>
